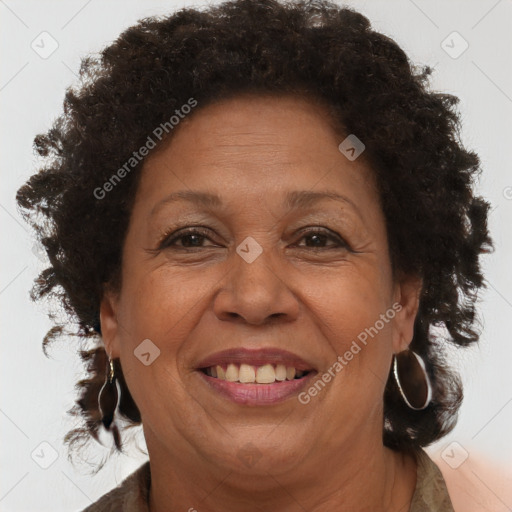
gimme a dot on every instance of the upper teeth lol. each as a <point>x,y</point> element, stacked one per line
<point>247,373</point>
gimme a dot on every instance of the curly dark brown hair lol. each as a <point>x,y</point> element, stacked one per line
<point>436,226</point>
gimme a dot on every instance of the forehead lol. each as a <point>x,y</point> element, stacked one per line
<point>260,145</point>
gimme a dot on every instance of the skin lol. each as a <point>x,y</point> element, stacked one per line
<point>309,297</point>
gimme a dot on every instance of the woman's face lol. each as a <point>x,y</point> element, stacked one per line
<point>278,264</point>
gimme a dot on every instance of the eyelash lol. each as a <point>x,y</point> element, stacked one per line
<point>167,240</point>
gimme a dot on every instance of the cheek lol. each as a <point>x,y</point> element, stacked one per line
<point>160,306</point>
<point>346,298</point>
<point>347,306</point>
<point>160,302</point>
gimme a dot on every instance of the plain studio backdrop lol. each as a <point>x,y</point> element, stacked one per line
<point>469,45</point>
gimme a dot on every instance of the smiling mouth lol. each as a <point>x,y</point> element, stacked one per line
<point>254,374</point>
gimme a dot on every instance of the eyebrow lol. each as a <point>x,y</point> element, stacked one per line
<point>296,199</point>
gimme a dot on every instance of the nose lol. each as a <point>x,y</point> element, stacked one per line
<point>256,293</point>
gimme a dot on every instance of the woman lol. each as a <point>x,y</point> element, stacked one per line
<point>259,213</point>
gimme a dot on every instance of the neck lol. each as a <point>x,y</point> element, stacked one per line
<point>379,480</point>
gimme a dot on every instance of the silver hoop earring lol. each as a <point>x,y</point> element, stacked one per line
<point>412,379</point>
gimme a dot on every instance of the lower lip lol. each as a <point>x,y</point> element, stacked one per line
<point>257,394</point>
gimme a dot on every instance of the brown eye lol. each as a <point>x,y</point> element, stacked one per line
<point>191,238</point>
<point>318,239</point>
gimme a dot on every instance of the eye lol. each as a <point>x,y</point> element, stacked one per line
<point>190,238</point>
<point>194,237</point>
<point>319,237</point>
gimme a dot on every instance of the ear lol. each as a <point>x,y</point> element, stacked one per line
<point>110,324</point>
<point>406,303</point>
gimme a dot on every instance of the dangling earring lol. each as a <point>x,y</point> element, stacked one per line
<point>108,397</point>
<point>412,379</point>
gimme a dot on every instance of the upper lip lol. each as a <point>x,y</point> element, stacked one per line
<point>256,357</point>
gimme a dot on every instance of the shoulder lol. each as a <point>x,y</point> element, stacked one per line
<point>129,496</point>
<point>479,484</point>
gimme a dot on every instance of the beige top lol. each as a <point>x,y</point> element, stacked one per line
<point>131,495</point>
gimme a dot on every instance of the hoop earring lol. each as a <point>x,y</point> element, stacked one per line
<point>412,379</point>
<point>108,397</point>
